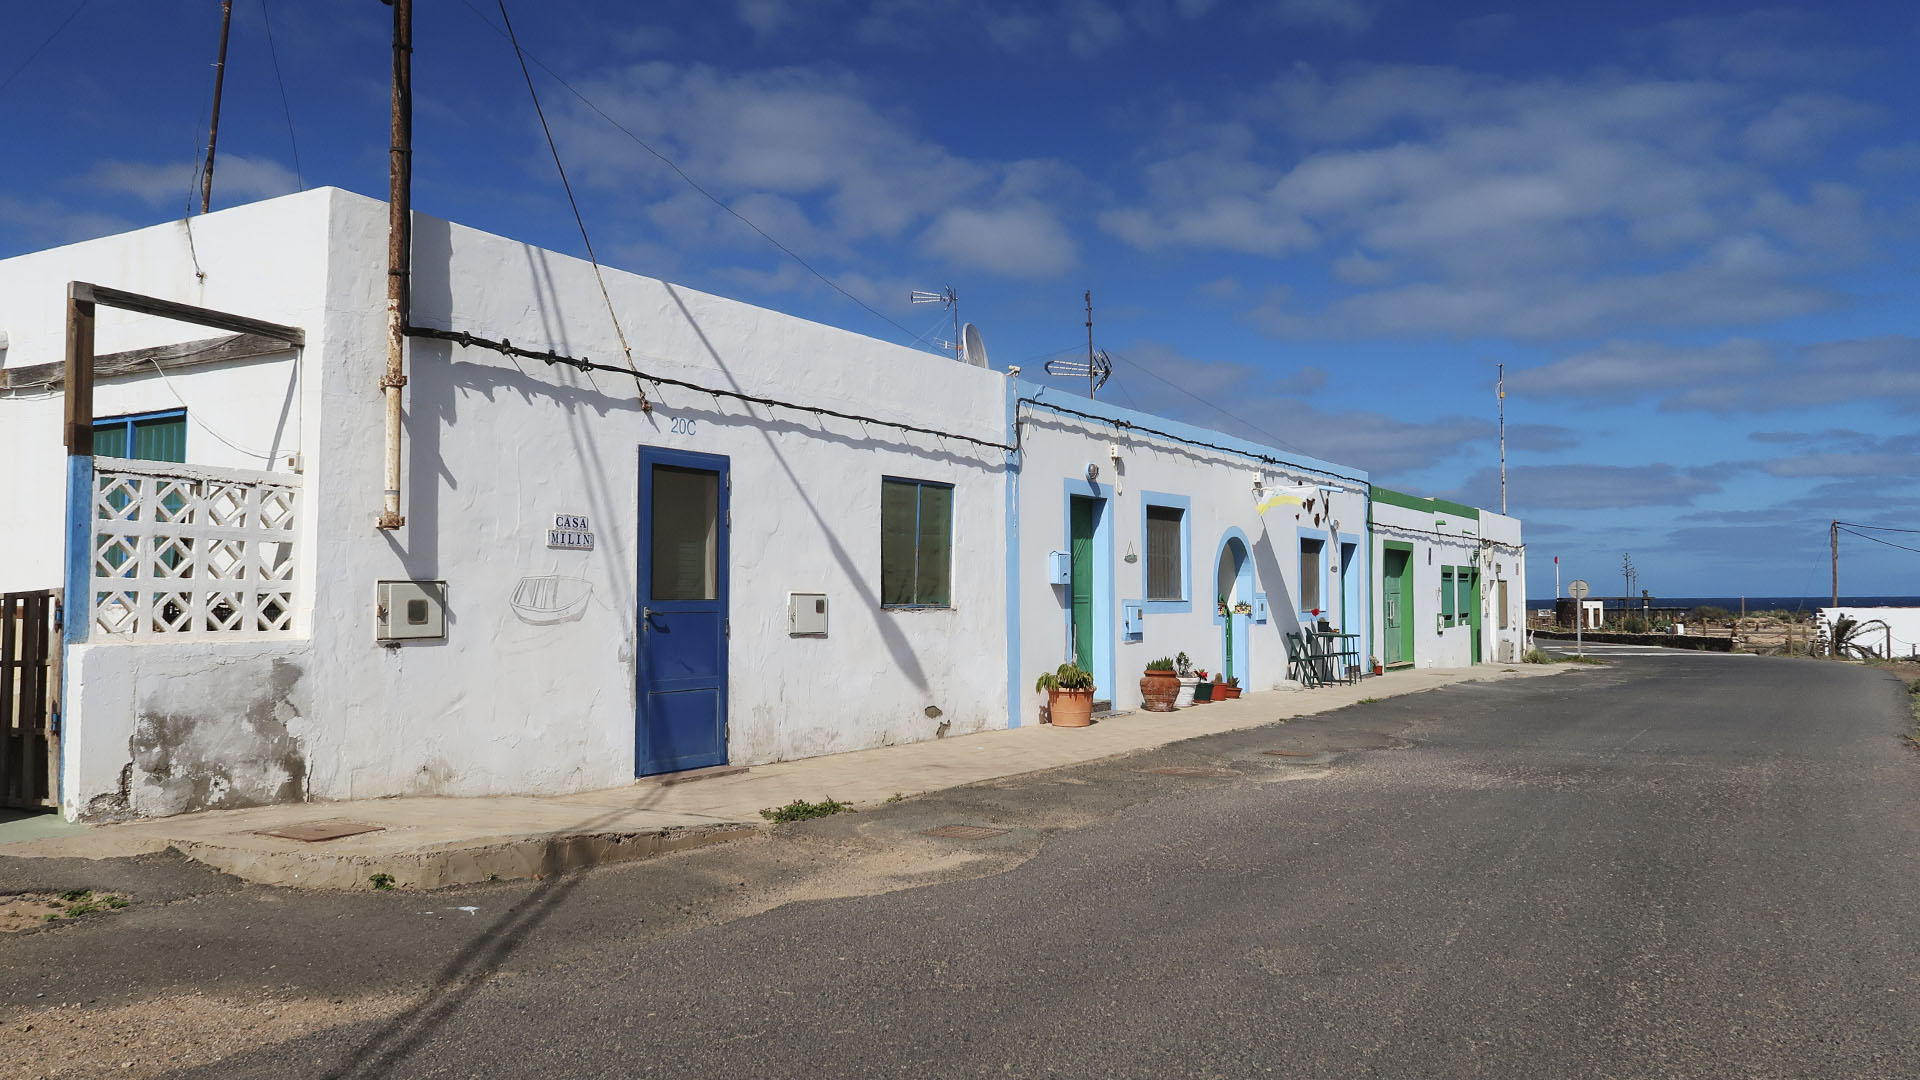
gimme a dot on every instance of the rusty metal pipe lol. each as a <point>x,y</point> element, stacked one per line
<point>399,253</point>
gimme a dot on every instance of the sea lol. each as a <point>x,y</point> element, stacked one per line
<point>1766,603</point>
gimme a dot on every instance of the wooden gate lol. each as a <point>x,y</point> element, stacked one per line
<point>29,687</point>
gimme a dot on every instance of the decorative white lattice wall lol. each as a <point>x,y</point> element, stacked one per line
<point>188,549</point>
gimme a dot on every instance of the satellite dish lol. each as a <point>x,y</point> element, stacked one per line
<point>972,350</point>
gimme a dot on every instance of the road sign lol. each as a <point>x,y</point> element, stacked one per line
<point>1578,588</point>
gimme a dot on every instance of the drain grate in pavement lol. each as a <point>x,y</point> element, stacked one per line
<point>966,832</point>
<point>1191,770</point>
<point>314,832</point>
<point>1288,753</point>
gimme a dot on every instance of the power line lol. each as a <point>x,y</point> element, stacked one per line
<point>550,358</point>
<point>645,405</point>
<point>1223,412</point>
<point>1170,436</point>
<point>669,162</point>
<point>1876,528</point>
<point>38,49</point>
<point>1877,540</point>
<point>285,109</point>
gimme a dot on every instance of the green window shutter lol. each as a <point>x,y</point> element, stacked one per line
<point>1463,583</point>
<point>1446,594</point>
<point>899,525</point>
<point>110,439</point>
<point>936,545</point>
<point>160,439</point>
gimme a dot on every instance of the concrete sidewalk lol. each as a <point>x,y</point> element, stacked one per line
<point>434,842</point>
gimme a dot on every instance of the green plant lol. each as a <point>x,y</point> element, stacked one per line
<point>1536,656</point>
<point>895,797</point>
<point>1633,624</point>
<point>85,907</point>
<point>1182,666</point>
<point>1233,680</point>
<point>1709,613</point>
<point>802,810</point>
<point>381,881</point>
<point>1849,638</point>
<point>116,903</point>
<point>1165,663</point>
<point>1368,700</point>
<point>1068,676</point>
<point>73,895</point>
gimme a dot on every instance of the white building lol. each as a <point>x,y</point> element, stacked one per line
<point>1450,590</point>
<point>787,540</point>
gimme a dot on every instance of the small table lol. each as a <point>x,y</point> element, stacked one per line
<point>1334,649</point>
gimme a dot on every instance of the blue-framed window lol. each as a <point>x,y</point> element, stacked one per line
<point>916,543</point>
<point>1313,574</point>
<point>155,436</point>
<point>1166,555</point>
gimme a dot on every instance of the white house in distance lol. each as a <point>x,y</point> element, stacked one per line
<point>1451,585</point>
<point>785,540</point>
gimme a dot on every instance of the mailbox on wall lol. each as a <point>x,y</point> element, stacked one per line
<point>1133,623</point>
<point>1260,608</point>
<point>1059,568</point>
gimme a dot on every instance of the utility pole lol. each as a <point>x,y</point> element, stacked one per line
<point>213,130</point>
<point>1501,387</point>
<point>1833,537</point>
<point>1091,385</point>
<point>399,251</point>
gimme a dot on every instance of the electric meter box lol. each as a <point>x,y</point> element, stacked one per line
<point>410,610</point>
<point>806,614</point>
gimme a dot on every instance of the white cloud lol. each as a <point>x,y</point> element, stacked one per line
<point>236,179</point>
<point>1736,375</point>
<point>1017,241</point>
<point>1539,207</point>
<point>1351,16</point>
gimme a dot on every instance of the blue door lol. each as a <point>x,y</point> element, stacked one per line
<point>683,612</point>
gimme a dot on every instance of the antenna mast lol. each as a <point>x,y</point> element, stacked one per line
<point>1091,385</point>
<point>213,129</point>
<point>1097,367</point>
<point>951,300</point>
<point>1501,387</point>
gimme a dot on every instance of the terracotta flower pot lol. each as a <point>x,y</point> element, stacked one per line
<point>1227,693</point>
<point>1158,689</point>
<point>1379,670</point>
<point>1070,708</point>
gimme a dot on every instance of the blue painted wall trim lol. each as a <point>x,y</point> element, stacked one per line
<point>79,562</point>
<point>1243,589</point>
<point>1105,625</point>
<point>1054,395</point>
<point>1159,498</point>
<point>1014,696</point>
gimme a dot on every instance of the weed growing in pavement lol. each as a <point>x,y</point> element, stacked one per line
<point>74,895</point>
<point>83,902</point>
<point>895,797</point>
<point>1368,700</point>
<point>801,810</point>
<point>381,881</point>
<point>1536,656</point>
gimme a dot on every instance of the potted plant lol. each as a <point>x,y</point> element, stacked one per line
<point>1243,608</point>
<point>1202,686</point>
<point>1374,663</point>
<point>1183,670</point>
<point>1069,695</point>
<point>1220,606</point>
<point>1159,686</point>
<point>1227,690</point>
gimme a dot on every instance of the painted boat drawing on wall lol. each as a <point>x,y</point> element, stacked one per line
<point>543,599</point>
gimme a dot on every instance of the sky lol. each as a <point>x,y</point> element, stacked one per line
<point>1687,231</point>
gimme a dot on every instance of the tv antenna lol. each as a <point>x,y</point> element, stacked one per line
<point>950,300</point>
<point>1097,367</point>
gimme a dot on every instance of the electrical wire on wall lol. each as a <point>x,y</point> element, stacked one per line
<point>1124,425</point>
<point>645,405</point>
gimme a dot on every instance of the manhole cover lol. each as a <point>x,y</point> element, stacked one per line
<point>1191,770</point>
<point>314,832</point>
<point>1288,753</point>
<point>966,832</point>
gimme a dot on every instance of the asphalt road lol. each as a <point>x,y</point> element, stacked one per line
<point>1673,866</point>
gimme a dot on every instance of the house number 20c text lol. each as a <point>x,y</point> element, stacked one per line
<point>682,425</point>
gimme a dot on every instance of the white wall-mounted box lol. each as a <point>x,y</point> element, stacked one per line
<point>807,614</point>
<point>410,610</point>
<point>1059,568</point>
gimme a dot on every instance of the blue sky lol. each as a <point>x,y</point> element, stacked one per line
<point>1687,230</point>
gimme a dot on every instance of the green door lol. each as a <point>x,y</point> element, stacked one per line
<point>1396,602</point>
<point>1470,586</point>
<point>1080,532</point>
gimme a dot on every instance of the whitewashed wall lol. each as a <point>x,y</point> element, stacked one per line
<point>1055,453</point>
<point>496,447</point>
<point>1901,631</point>
<point>1435,545</point>
<point>256,404</point>
<point>1504,558</point>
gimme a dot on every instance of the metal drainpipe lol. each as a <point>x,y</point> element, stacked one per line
<point>399,251</point>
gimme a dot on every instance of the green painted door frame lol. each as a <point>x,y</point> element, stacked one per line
<point>1396,601</point>
<point>1473,599</point>
<point>1080,535</point>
